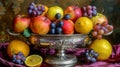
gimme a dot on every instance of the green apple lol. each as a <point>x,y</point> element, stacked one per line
<point>53,11</point>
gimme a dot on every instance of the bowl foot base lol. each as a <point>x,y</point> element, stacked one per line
<point>64,61</point>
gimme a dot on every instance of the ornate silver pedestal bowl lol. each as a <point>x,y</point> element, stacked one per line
<point>61,42</point>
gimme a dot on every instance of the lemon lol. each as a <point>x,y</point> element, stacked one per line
<point>102,47</point>
<point>83,25</point>
<point>33,61</point>
<point>52,11</point>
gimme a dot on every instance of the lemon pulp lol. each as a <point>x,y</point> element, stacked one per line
<point>33,60</point>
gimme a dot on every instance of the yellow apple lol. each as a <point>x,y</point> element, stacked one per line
<point>52,11</point>
<point>99,18</point>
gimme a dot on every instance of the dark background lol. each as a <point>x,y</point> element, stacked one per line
<point>10,8</point>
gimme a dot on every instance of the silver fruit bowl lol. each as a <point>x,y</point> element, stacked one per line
<point>61,43</point>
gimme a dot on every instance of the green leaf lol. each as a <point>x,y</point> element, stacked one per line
<point>27,33</point>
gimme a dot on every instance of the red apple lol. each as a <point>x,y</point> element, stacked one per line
<point>21,22</point>
<point>74,11</point>
<point>68,27</point>
<point>40,25</point>
<point>99,18</point>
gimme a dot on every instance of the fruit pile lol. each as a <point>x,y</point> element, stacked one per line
<point>54,20</point>
<point>42,19</point>
<point>102,29</point>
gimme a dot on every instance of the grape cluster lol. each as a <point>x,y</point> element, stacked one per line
<point>18,58</point>
<point>101,29</point>
<point>35,10</point>
<point>90,55</point>
<point>56,27</point>
<point>89,11</point>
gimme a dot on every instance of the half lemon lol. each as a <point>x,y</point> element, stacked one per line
<point>33,61</point>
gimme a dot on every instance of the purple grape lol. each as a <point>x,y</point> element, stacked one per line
<point>18,61</point>
<point>89,7</point>
<point>23,58</point>
<point>85,14</point>
<point>93,60</point>
<point>14,56</point>
<point>92,51</point>
<point>87,51</point>
<point>90,55</point>
<point>89,58</point>
<point>35,10</point>
<point>90,12</point>
<point>103,28</point>
<point>95,55</point>
<point>13,60</point>
<point>84,9</point>
<point>106,30</point>
<point>21,63</point>
<point>39,7</point>
<point>32,4</point>
<point>90,16</point>
<point>20,53</point>
<point>34,13</point>
<point>39,12</point>
<point>87,54</point>
<point>29,11</point>
<point>31,7</point>
<point>42,8</point>
<point>94,8</point>
<point>18,58</point>
<point>94,12</point>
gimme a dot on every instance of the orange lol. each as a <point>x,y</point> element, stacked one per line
<point>33,61</point>
<point>16,46</point>
<point>46,9</point>
<point>102,47</point>
<point>83,25</point>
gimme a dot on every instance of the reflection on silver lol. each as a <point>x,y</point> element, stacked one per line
<point>61,42</point>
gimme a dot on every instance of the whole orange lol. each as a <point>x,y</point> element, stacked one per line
<point>16,46</point>
<point>102,47</point>
<point>83,25</point>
